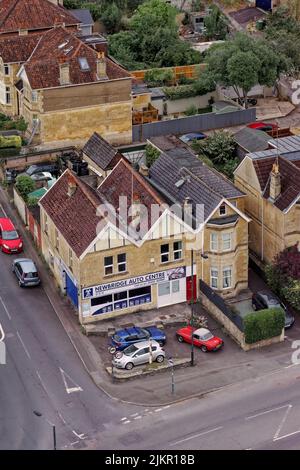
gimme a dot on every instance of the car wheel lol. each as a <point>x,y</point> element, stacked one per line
<point>203,348</point>
<point>20,284</point>
<point>129,366</point>
<point>180,339</point>
<point>160,358</point>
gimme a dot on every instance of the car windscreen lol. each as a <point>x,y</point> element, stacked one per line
<point>144,333</point>
<point>10,235</point>
<point>31,170</point>
<point>31,275</point>
<point>130,350</point>
<point>117,338</point>
<point>206,336</point>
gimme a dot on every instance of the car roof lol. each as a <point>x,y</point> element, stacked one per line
<point>28,265</point>
<point>145,344</point>
<point>6,224</point>
<point>268,295</point>
<point>201,331</point>
<point>129,331</point>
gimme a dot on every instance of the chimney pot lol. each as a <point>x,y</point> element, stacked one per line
<point>101,66</point>
<point>144,170</point>
<point>72,186</point>
<point>275,182</point>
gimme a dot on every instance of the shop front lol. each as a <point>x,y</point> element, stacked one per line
<point>155,289</point>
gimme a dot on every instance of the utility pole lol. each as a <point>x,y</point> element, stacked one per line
<point>192,308</point>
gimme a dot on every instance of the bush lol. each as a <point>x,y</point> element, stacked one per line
<point>263,324</point>
<point>10,141</point>
<point>158,77</point>
<point>152,154</point>
<point>24,185</point>
<point>191,110</point>
<point>291,292</point>
<point>179,92</point>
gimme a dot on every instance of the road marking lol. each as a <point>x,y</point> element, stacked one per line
<point>126,422</point>
<point>195,435</point>
<point>158,409</point>
<point>43,385</point>
<point>24,347</point>
<point>134,414</point>
<point>2,334</point>
<point>80,436</point>
<point>286,435</point>
<point>123,419</point>
<point>138,417</point>
<point>268,411</point>
<point>282,422</point>
<point>3,210</point>
<point>64,375</point>
<point>5,308</point>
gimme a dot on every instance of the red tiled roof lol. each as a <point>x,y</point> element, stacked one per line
<point>59,45</point>
<point>17,48</point>
<point>74,216</point>
<point>32,14</point>
<point>290,180</point>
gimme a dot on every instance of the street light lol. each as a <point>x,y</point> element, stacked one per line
<point>37,413</point>
<point>192,303</point>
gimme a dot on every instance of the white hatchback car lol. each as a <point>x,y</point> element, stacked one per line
<point>138,353</point>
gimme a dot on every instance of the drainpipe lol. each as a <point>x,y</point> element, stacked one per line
<point>262,229</point>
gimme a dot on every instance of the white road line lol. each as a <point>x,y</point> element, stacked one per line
<point>123,419</point>
<point>158,409</point>
<point>285,436</point>
<point>134,414</point>
<point>138,417</point>
<point>3,210</point>
<point>282,422</point>
<point>126,422</point>
<point>5,308</point>
<point>64,375</point>
<point>24,347</point>
<point>80,436</point>
<point>165,407</point>
<point>43,385</point>
<point>266,412</point>
<point>195,435</point>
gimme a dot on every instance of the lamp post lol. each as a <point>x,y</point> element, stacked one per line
<point>37,413</point>
<point>192,303</point>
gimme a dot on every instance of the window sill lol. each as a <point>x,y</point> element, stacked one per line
<point>107,276</point>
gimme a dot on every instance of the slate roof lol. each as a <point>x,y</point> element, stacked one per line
<point>290,180</point>
<point>17,48</point>
<point>32,15</point>
<point>83,15</point>
<point>75,217</point>
<point>101,152</point>
<point>61,46</point>
<point>252,140</point>
<point>202,184</point>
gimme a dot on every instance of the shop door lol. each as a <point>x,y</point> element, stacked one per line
<point>189,288</point>
<point>72,291</point>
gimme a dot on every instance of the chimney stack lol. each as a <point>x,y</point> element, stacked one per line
<point>275,182</point>
<point>64,73</point>
<point>144,170</point>
<point>72,186</point>
<point>101,66</point>
<point>188,211</point>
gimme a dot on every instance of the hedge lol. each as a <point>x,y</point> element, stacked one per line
<point>263,324</point>
<point>10,141</point>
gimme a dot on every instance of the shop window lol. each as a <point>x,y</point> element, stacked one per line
<point>213,241</point>
<point>106,299</point>
<point>139,296</point>
<point>164,288</point>
<point>164,253</point>
<point>226,241</point>
<point>214,278</point>
<point>175,287</point>
<point>222,209</point>
<point>227,277</point>
<point>140,291</point>
<point>122,262</point>
<point>177,247</point>
<point>108,265</point>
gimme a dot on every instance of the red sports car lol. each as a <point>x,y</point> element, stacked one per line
<point>263,126</point>
<point>202,338</point>
<point>10,240</point>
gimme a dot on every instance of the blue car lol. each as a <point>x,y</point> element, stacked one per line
<point>123,338</point>
<point>186,138</point>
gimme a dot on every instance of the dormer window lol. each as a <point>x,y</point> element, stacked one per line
<point>84,65</point>
<point>222,209</point>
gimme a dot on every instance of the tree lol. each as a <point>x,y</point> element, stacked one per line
<point>111,18</point>
<point>242,63</point>
<point>216,24</point>
<point>25,185</point>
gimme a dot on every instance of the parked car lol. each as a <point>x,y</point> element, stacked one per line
<point>138,353</point>
<point>40,167</point>
<point>202,338</point>
<point>42,176</point>
<point>265,299</point>
<point>123,338</point>
<point>10,240</point>
<point>186,138</point>
<point>10,175</point>
<point>26,272</point>
<point>263,126</point>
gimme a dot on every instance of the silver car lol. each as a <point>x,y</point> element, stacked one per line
<point>138,353</point>
<point>26,272</point>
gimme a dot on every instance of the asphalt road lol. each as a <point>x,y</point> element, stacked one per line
<point>41,368</point>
